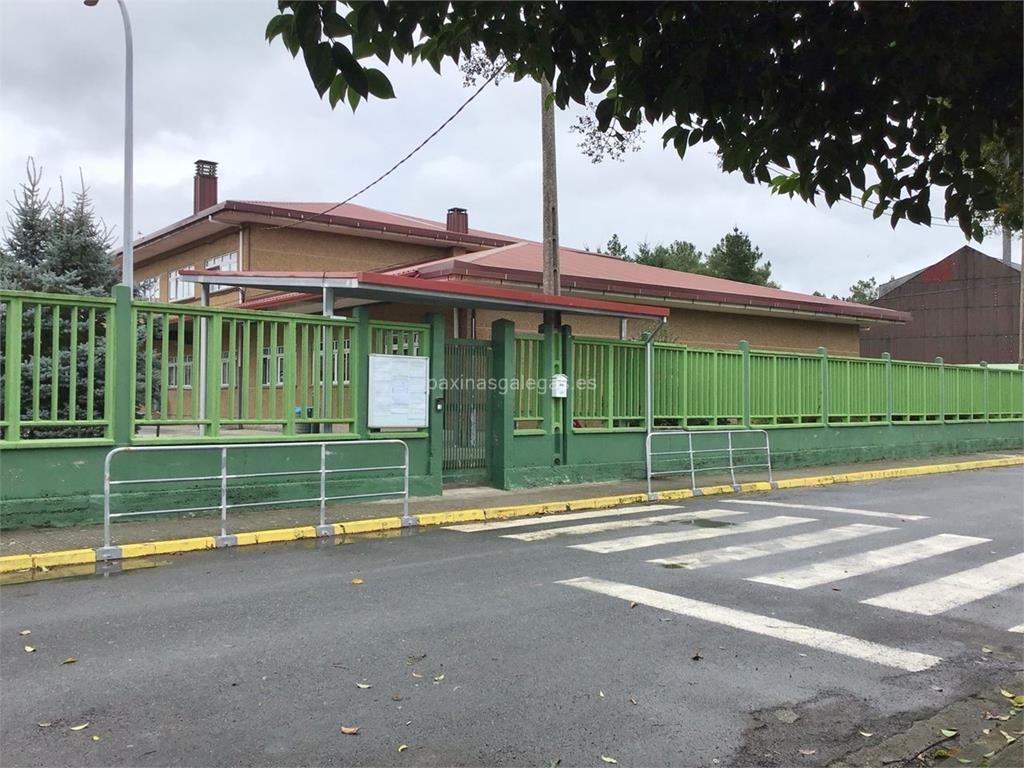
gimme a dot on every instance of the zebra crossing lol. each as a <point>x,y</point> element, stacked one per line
<point>773,537</point>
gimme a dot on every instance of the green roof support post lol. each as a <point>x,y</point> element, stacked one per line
<point>211,349</point>
<point>568,405</point>
<point>548,405</point>
<point>888,387</point>
<point>122,413</point>
<point>359,371</point>
<point>12,370</point>
<point>942,388</point>
<point>745,350</point>
<point>435,420</point>
<point>502,401</point>
<point>288,396</point>
<point>824,385</point>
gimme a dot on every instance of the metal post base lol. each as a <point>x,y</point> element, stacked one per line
<point>323,531</point>
<point>225,541</point>
<point>108,553</point>
<point>652,496</point>
<point>409,521</point>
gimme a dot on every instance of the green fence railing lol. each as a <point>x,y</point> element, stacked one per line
<point>708,388</point>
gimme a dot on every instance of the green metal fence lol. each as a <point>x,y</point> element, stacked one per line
<point>527,394</point>
<point>56,377</point>
<point>707,388</point>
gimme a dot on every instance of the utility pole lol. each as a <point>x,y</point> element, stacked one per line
<point>551,283</point>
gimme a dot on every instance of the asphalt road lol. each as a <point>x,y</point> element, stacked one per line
<point>476,651</point>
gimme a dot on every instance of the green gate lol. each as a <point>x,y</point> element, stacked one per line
<point>467,368</point>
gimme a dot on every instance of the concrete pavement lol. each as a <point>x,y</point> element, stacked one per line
<point>484,649</point>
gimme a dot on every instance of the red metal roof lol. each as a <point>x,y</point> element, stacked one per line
<point>584,270</point>
<point>383,287</point>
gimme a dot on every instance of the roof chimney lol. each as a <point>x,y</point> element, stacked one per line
<point>458,221</point>
<point>204,188</point>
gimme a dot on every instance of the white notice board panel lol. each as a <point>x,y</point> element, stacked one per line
<point>398,394</point>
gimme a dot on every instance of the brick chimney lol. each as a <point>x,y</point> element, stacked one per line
<point>458,221</point>
<point>204,188</point>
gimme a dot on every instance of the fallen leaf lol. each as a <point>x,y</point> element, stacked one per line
<point>1009,739</point>
<point>836,589</point>
<point>416,674</point>
<point>633,605</point>
<point>963,760</point>
<point>607,759</point>
<point>402,747</point>
<point>985,650</point>
<point>866,734</point>
<point>44,725</point>
<point>350,730</point>
<point>363,685</point>
<point>941,754</point>
<point>439,678</point>
<point>949,733</point>
<point>69,660</point>
<point>632,701</point>
<point>29,632</point>
<point>808,752</point>
<point>1003,691</point>
<point>410,660</point>
<point>95,738</point>
<point>1018,700</point>
<point>30,649</point>
<point>601,694</point>
<point>936,688</point>
<point>357,581</point>
<point>696,656</point>
<point>81,727</point>
<point>396,697</point>
<point>989,754</point>
<point>554,763</point>
<point>986,731</point>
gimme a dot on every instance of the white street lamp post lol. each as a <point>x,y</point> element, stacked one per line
<point>127,257</point>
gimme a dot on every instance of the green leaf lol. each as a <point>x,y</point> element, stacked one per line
<point>277,24</point>
<point>337,90</point>
<point>379,85</point>
<point>354,74</point>
<point>949,732</point>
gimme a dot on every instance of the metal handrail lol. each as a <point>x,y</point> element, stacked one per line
<point>732,466</point>
<point>322,529</point>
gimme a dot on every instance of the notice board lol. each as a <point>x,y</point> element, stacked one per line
<point>398,392</point>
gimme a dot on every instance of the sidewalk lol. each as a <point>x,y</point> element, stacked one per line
<point>33,540</point>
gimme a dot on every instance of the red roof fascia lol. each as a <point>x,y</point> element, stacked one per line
<point>458,266</point>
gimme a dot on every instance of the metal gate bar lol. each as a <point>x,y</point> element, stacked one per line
<point>467,368</point>
<point>224,476</point>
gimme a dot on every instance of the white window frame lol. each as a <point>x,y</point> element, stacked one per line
<point>265,367</point>
<point>178,289</point>
<point>172,372</point>
<point>227,262</point>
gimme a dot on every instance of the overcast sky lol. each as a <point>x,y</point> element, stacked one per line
<point>208,85</point>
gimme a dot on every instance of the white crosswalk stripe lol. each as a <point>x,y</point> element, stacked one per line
<point>867,562</point>
<point>957,589</point>
<point>691,534</point>
<point>771,547</point>
<point>768,626</point>
<point>555,518</point>
<point>817,508</point>
<point>612,525</point>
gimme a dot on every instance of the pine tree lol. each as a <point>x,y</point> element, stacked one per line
<point>736,258</point>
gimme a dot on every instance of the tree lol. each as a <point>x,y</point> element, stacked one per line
<point>736,258</point>
<point>58,247</point>
<point>863,291</point>
<point>678,255</point>
<point>869,100</point>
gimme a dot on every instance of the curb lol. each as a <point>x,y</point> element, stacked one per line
<point>43,561</point>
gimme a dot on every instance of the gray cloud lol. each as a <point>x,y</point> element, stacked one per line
<point>208,85</point>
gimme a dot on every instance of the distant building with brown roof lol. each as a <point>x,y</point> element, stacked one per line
<point>965,308</point>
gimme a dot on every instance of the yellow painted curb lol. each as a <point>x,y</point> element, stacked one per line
<point>80,558</point>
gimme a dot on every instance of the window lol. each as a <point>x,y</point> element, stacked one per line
<point>226,262</point>
<point>225,369</point>
<point>344,361</point>
<point>148,290</point>
<point>177,288</point>
<point>186,373</point>
<point>278,368</point>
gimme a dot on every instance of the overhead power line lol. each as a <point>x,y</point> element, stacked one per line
<point>397,165</point>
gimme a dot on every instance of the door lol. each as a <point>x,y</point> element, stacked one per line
<point>467,368</point>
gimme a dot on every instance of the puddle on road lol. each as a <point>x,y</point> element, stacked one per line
<point>87,571</point>
<point>701,523</point>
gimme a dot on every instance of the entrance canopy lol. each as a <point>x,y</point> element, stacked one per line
<point>366,287</point>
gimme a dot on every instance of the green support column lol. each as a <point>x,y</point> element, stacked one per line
<point>745,349</point>
<point>436,418</point>
<point>359,370</point>
<point>824,385</point>
<point>942,387</point>
<point>122,412</point>
<point>984,388</point>
<point>568,436</point>
<point>212,346</point>
<point>12,382</point>
<point>550,407</point>
<point>888,386</point>
<point>502,410</point>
